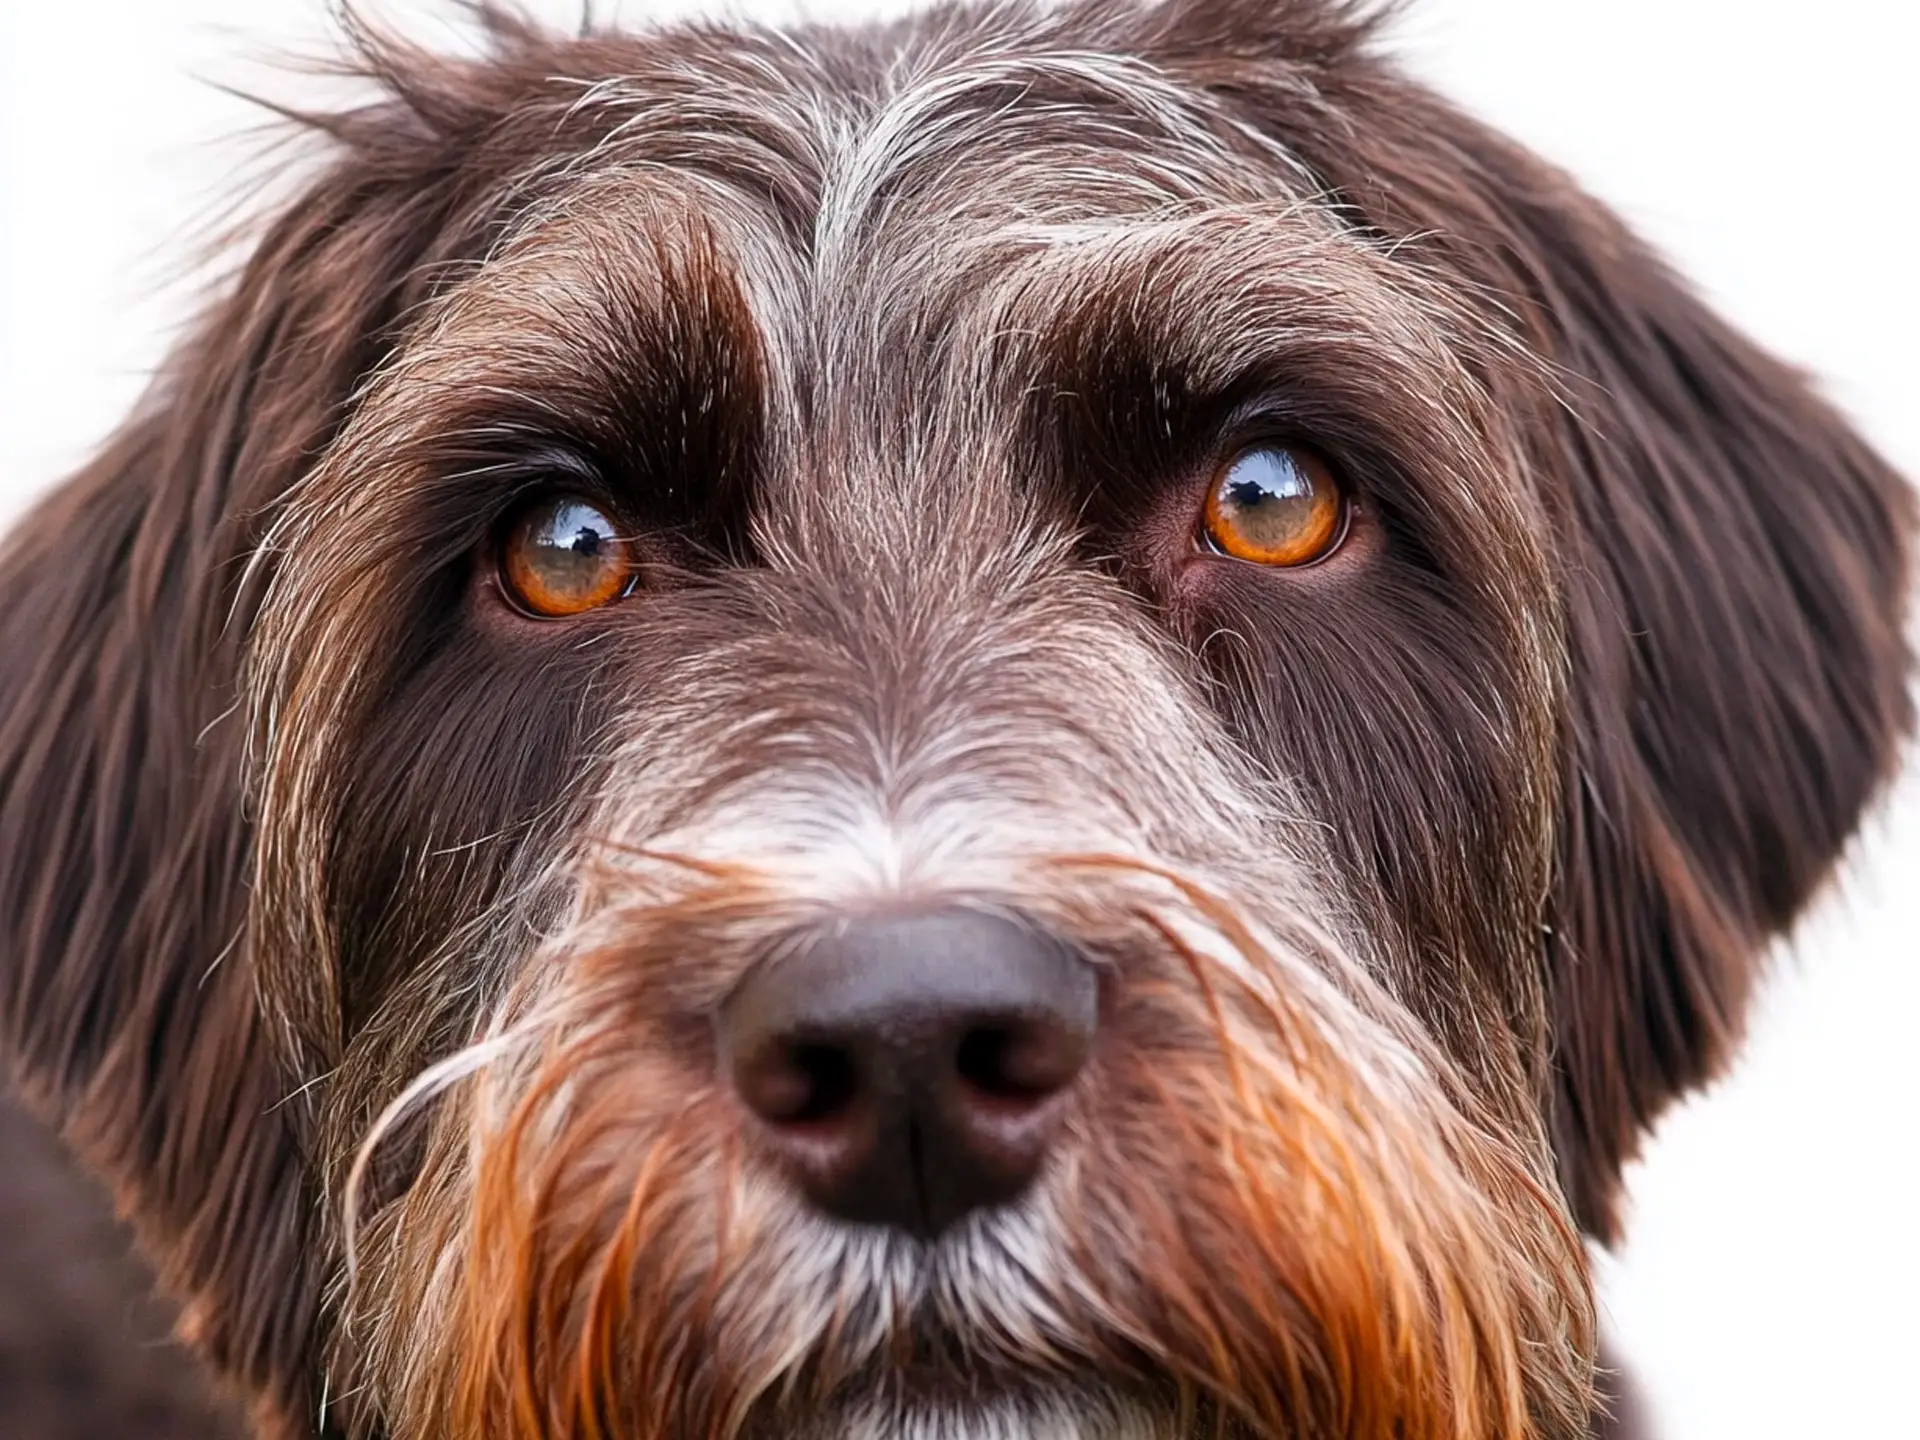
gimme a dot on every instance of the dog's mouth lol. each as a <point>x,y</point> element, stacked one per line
<point>948,1371</point>
<point>924,1401</point>
<point>928,1365</point>
<point>970,1356</point>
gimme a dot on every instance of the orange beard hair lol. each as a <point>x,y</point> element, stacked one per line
<point>1268,1247</point>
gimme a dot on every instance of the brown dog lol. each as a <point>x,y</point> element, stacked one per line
<point>1037,723</point>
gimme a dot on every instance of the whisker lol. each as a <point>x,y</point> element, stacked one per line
<point>432,1081</point>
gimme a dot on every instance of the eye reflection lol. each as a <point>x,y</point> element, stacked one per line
<point>563,556</point>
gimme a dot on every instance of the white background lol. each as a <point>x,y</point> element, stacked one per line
<point>1769,1287</point>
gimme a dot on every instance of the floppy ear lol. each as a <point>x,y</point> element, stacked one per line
<point>1735,563</point>
<point>127,1008</point>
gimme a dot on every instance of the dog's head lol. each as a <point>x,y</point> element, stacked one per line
<point>1036,723</point>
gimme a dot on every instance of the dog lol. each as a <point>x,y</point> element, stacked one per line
<point>1040,721</point>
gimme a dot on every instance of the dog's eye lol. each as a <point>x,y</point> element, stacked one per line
<point>562,556</point>
<point>1275,505</point>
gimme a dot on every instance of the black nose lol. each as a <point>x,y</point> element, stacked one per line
<point>913,1067</point>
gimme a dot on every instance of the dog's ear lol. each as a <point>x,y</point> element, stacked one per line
<point>127,1007</point>
<point>1735,561</point>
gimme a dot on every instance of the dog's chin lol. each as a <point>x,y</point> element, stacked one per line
<point>930,1400</point>
<point>1066,1413</point>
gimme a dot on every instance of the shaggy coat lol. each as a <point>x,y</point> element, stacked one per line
<point>365,934</point>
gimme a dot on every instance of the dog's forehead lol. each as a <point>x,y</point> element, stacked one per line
<point>868,210</point>
<point>841,132</point>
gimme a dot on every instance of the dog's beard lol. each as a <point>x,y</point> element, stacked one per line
<point>1280,1214</point>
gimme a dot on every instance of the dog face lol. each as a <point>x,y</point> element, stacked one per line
<point>1027,724</point>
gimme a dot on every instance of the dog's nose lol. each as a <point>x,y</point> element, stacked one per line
<point>913,1067</point>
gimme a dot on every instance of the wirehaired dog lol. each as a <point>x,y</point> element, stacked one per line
<point>1039,722</point>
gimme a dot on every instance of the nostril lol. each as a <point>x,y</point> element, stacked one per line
<point>1021,1061</point>
<point>982,1063</point>
<point>798,1083</point>
<point>832,1078</point>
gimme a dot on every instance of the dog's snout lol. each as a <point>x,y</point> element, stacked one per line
<point>910,1068</point>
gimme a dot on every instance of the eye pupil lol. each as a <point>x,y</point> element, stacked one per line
<point>562,556</point>
<point>1274,505</point>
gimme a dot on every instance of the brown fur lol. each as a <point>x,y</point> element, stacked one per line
<point>1513,792</point>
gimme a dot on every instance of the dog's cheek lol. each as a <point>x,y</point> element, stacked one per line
<point>1416,735</point>
<point>474,773</point>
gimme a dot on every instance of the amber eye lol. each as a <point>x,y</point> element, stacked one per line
<point>562,556</point>
<point>1275,505</point>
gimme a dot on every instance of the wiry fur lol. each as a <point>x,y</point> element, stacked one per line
<point>365,934</point>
